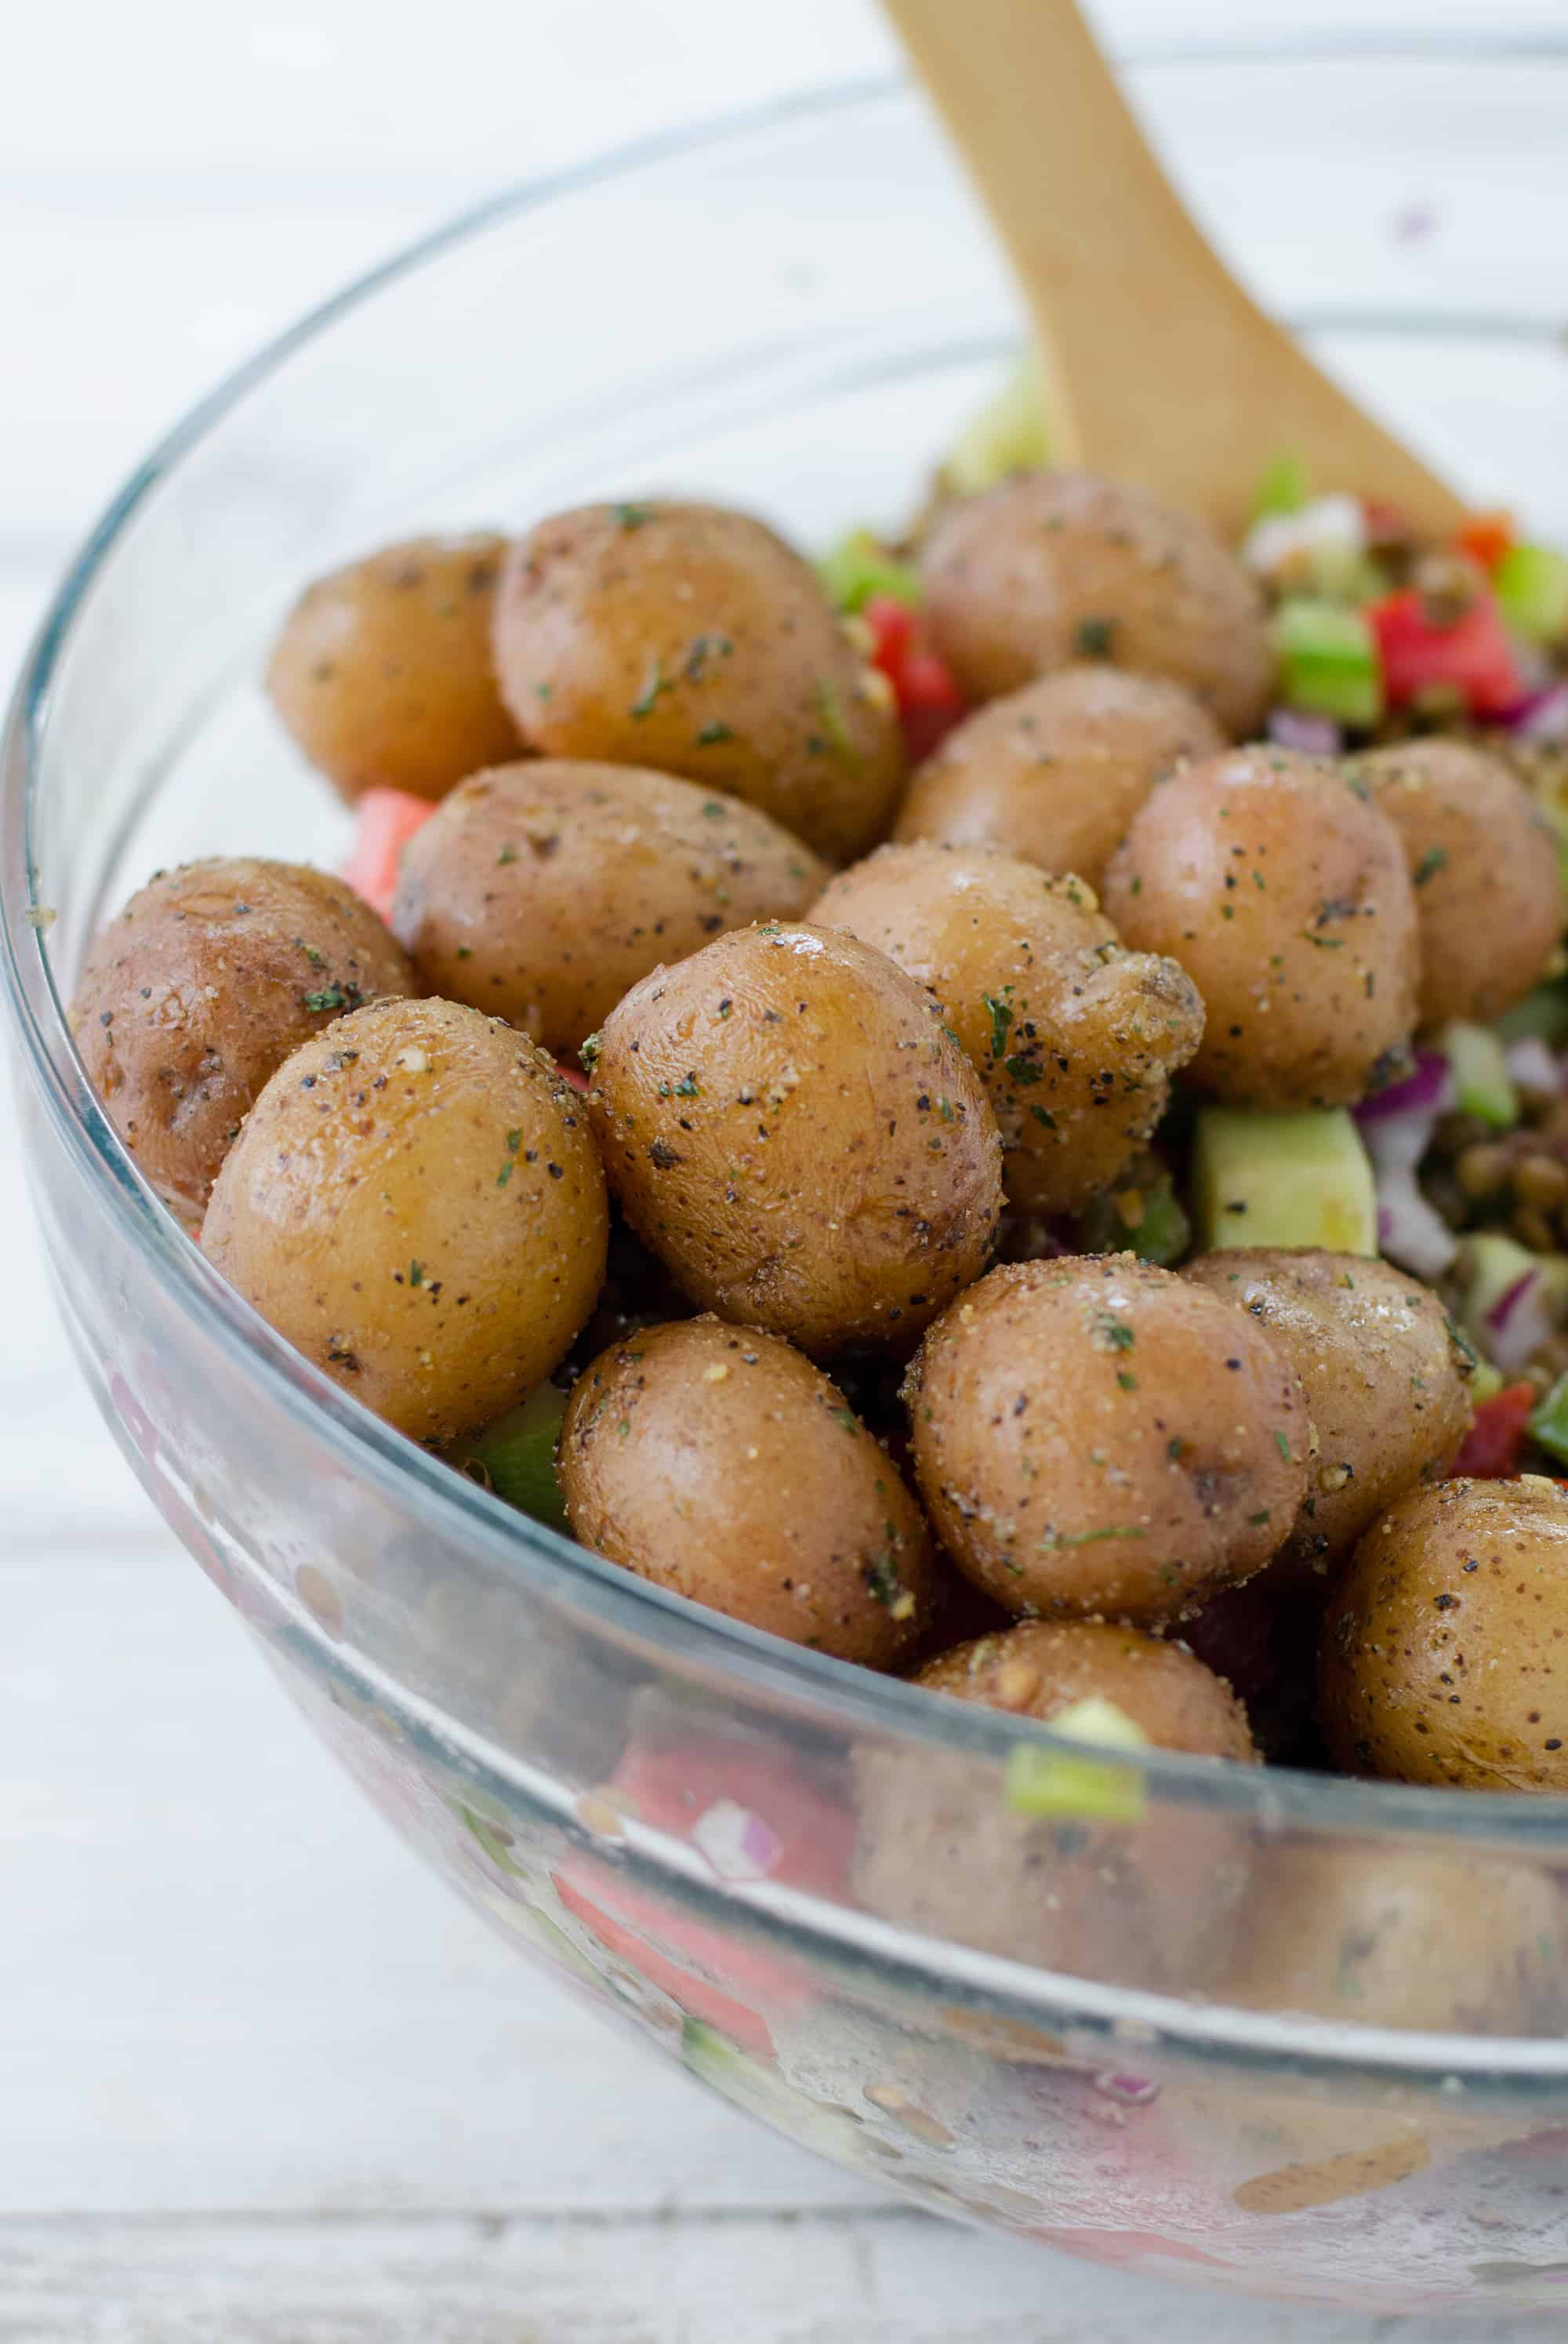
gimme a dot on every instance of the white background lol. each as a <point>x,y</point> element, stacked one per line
<point>258,2078</point>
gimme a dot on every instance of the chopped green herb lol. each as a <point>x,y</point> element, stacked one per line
<point>588,1056</point>
<point>1283,1446</point>
<point>1095,637</point>
<point>633,516</point>
<point>848,1419</point>
<point>1127,1379</point>
<point>1111,1334</point>
<point>311,955</point>
<point>657,683</point>
<point>1434,860</point>
<point>415,1273</point>
<point>336,996</point>
<point>507,855</point>
<point>1000,1019</point>
<point>882,1579</point>
<point>1054,1540</point>
<point>709,738</point>
<point>687,1088</point>
<point>1023,1071</point>
<point>832,715</point>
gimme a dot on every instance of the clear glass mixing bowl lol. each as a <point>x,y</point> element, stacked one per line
<point>1281,2033</point>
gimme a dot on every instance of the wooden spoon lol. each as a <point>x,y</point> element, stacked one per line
<point>1159,367</point>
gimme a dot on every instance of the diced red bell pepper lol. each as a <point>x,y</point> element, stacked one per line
<point>673,1785</point>
<point>929,702</point>
<point>386,819</point>
<point>573,1075</point>
<point>1486,538</point>
<point>1472,656</point>
<point>892,626</point>
<point>1492,1447</point>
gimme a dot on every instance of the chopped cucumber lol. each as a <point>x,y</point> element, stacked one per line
<point>1531,583</point>
<point>1296,1179</point>
<point>1160,1233</point>
<point>1485,1382</point>
<point>1009,434</point>
<point>515,1456</point>
<point>1482,1083</point>
<point>859,568</point>
<point>750,2083</point>
<point>1541,1015</point>
<point>1041,1782</point>
<point>1329,662</point>
<point>1549,1423</point>
<point>1284,488</point>
<point>1489,1264</point>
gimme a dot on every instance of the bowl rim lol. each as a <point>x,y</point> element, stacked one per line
<point>1277,1798</point>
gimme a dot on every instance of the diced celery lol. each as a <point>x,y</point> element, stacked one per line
<point>1482,1083</point>
<point>1531,583</point>
<point>1285,487</point>
<point>857,567</point>
<point>515,1456</point>
<point>1329,660</point>
<point>1160,1234</point>
<point>1549,1424</point>
<point>1009,434</point>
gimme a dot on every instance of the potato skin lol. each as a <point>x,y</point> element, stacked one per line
<point>542,891</point>
<point>694,639</point>
<point>383,670</point>
<point>1286,899</point>
<point>1381,1934</point>
<point>416,1204</point>
<point>1094,1437</point>
<point>1075,1040</point>
<point>788,1126</point>
<point>720,1463</point>
<point>1054,567</point>
<point>1483,863</point>
<point>1442,1654</point>
<point>194,995</point>
<point>1056,771</point>
<point>938,1849</point>
<point>1386,1383</point>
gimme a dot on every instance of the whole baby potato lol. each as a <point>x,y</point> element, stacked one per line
<point>1097,1437</point>
<point>1483,863</point>
<point>1391,1934</point>
<point>1145,1901</point>
<point>1055,771</point>
<point>1075,1039</point>
<point>1054,567</point>
<point>197,992</point>
<point>692,639</point>
<point>1386,1381</point>
<point>1442,1656</point>
<point>720,1463</point>
<point>414,1204</point>
<point>1285,898</point>
<point>542,891</point>
<point>383,671</point>
<point>787,1125</point>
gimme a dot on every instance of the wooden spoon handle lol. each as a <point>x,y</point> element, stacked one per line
<point>1162,369</point>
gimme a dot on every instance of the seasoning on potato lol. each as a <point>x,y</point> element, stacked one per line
<point>1095,1436</point>
<point>694,639</point>
<point>1385,1377</point>
<point>721,1464</point>
<point>1055,771</point>
<point>1285,898</point>
<point>1442,1656</point>
<point>1057,567</point>
<point>543,890</point>
<point>1075,1039</point>
<point>193,995</point>
<point>1484,863</point>
<point>383,671</point>
<point>948,1848</point>
<point>788,1126</point>
<point>416,1204</point>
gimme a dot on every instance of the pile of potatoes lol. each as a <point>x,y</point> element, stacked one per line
<point>848,1028</point>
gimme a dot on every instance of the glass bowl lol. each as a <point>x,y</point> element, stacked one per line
<point>1269,2031</point>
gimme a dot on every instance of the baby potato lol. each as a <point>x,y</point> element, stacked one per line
<point>1484,863</point>
<point>692,639</point>
<point>197,992</point>
<point>721,1464</point>
<point>1053,567</point>
<point>542,891</point>
<point>1075,1039</point>
<point>938,1849</point>
<point>1286,899</point>
<point>383,671</point>
<point>1099,1438</point>
<point>1386,1382</point>
<point>1055,771</point>
<point>415,1203</point>
<point>790,1127</point>
<point>1441,1655</point>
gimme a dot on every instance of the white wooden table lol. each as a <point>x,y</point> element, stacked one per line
<point>259,2076</point>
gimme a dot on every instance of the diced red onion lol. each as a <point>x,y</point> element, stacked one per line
<point>1313,736</point>
<point>1518,1324</point>
<point>739,1844</point>
<point>1545,718</point>
<point>1396,1127</point>
<point>1531,1064</point>
<point>1130,2091</point>
<point>1426,1092</point>
<point>1410,1230</point>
